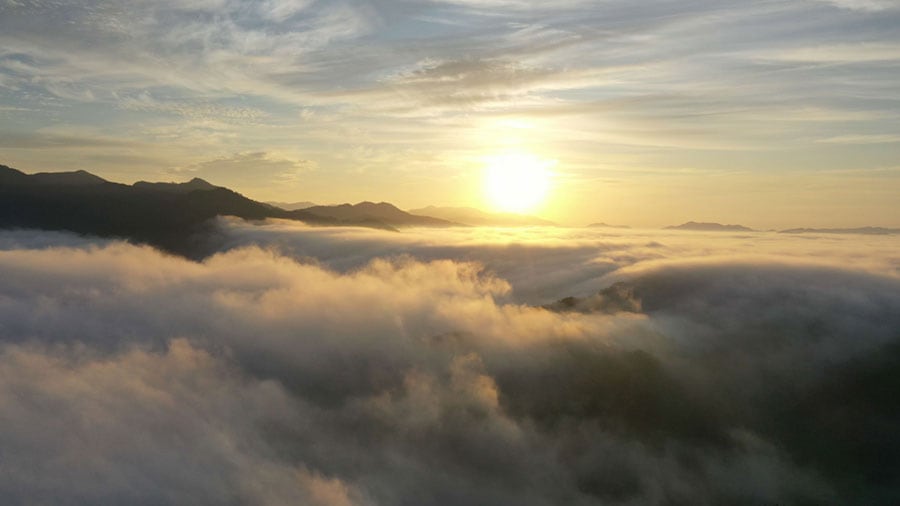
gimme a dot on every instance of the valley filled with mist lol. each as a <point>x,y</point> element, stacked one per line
<point>449,253</point>
<point>345,365</point>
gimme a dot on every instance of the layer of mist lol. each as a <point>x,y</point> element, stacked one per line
<point>343,366</point>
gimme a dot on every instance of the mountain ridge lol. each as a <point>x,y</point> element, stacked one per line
<point>194,184</point>
<point>709,227</point>
<point>856,230</point>
<point>174,217</point>
<point>382,211</point>
<point>606,225</point>
<point>291,206</point>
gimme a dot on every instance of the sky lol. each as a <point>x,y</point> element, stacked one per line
<point>769,113</point>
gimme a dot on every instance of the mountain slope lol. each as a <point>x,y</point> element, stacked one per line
<point>292,206</point>
<point>76,178</point>
<point>170,216</point>
<point>606,225</point>
<point>858,230</point>
<point>9,175</point>
<point>380,212</point>
<point>192,185</point>
<point>709,227</point>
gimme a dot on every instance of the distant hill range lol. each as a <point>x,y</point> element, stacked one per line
<point>192,185</point>
<point>382,211</point>
<point>710,227</point>
<point>479,218</point>
<point>606,225</point>
<point>175,217</point>
<point>10,176</point>
<point>292,206</point>
<point>718,227</point>
<point>859,230</point>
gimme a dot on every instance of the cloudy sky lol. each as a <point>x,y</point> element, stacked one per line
<point>772,113</point>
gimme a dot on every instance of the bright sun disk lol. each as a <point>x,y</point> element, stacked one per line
<point>517,182</point>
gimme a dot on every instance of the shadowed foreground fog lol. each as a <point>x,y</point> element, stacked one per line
<point>351,367</point>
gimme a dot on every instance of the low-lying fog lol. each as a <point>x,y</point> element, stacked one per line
<point>341,366</point>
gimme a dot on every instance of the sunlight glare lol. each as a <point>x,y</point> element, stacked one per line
<point>517,182</point>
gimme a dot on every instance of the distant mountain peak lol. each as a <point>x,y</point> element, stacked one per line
<point>171,216</point>
<point>200,182</point>
<point>709,227</point>
<point>292,206</point>
<point>10,175</point>
<point>857,230</point>
<point>194,184</point>
<point>376,205</point>
<point>383,212</point>
<point>73,178</point>
<point>606,225</point>
<point>367,203</point>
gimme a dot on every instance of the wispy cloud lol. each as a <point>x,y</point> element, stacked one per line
<point>193,109</point>
<point>335,82</point>
<point>862,139</point>
<point>840,53</point>
<point>864,5</point>
<point>248,170</point>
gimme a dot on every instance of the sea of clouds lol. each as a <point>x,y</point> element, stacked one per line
<point>343,366</point>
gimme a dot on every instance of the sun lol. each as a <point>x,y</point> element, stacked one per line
<point>517,182</point>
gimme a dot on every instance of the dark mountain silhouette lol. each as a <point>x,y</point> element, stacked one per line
<point>477,217</point>
<point>292,206</point>
<point>380,212</point>
<point>606,225</point>
<point>193,184</point>
<point>173,217</point>
<point>612,299</point>
<point>710,227</point>
<point>859,230</point>
<point>8,175</point>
